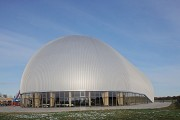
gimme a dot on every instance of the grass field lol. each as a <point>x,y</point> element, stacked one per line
<point>169,113</point>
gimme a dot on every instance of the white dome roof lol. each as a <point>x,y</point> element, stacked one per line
<point>79,63</point>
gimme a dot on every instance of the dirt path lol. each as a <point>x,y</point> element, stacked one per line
<point>140,106</point>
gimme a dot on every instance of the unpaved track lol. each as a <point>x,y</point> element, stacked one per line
<point>140,106</point>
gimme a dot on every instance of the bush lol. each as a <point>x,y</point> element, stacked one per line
<point>177,103</point>
<point>178,99</point>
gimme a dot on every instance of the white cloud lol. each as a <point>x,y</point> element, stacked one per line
<point>7,83</point>
<point>45,23</point>
<point>168,10</point>
<point>16,48</point>
<point>166,80</point>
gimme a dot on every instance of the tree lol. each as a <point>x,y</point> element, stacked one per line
<point>178,99</point>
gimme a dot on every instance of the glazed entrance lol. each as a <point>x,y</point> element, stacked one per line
<point>81,98</point>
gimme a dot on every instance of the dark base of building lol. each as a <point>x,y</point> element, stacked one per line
<point>81,98</point>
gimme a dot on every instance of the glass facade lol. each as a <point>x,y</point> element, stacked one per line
<point>81,98</point>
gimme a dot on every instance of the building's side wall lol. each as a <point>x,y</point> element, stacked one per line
<point>81,98</point>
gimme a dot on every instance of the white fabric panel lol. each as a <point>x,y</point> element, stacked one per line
<point>79,63</point>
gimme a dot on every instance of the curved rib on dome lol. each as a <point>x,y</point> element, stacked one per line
<point>76,63</point>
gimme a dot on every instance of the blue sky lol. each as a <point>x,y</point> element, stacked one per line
<point>146,32</point>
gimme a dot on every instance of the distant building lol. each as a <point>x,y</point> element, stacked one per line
<point>4,95</point>
<point>5,101</point>
<point>82,71</point>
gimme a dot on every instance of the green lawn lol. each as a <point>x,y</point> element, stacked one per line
<point>143,114</point>
<point>169,113</point>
